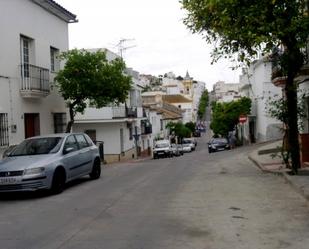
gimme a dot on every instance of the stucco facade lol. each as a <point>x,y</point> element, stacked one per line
<point>30,37</point>
<point>257,85</point>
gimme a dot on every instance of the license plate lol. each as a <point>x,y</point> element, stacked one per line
<point>7,180</point>
<point>220,149</point>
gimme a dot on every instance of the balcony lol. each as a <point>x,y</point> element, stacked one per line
<point>34,81</point>
<point>146,127</point>
<point>124,112</point>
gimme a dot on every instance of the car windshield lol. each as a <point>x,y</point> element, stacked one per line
<point>219,140</point>
<point>161,145</point>
<point>187,142</point>
<point>37,146</point>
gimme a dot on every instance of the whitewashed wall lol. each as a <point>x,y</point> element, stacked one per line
<point>23,17</point>
<point>267,128</point>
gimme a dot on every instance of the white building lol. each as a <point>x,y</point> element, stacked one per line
<point>33,33</point>
<point>123,129</point>
<point>226,92</point>
<point>257,85</point>
<point>160,113</point>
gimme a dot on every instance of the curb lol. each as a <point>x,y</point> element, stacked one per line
<point>285,176</point>
<point>296,187</point>
<point>258,165</point>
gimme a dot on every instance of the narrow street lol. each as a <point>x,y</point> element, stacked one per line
<point>196,201</point>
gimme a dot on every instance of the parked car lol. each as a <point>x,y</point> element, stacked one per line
<point>162,148</point>
<point>8,150</point>
<point>197,133</point>
<point>191,141</point>
<point>49,162</point>
<point>218,144</point>
<point>186,147</point>
<point>177,149</point>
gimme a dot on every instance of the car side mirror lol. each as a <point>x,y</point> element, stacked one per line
<point>68,150</point>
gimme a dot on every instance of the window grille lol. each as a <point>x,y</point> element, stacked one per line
<point>60,122</point>
<point>4,129</point>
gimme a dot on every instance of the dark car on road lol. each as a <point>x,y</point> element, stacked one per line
<point>218,144</point>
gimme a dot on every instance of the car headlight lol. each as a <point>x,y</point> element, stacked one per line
<point>34,171</point>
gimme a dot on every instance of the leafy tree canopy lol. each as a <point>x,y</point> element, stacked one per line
<point>90,77</point>
<point>191,126</point>
<point>203,104</point>
<point>179,129</point>
<point>225,116</point>
<point>247,28</point>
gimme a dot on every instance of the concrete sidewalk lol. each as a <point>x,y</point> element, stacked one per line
<point>267,158</point>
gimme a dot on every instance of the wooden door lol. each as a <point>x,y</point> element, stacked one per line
<point>32,124</point>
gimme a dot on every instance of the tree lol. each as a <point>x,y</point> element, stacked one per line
<point>89,77</point>
<point>179,130</point>
<point>248,28</point>
<point>203,104</point>
<point>225,116</point>
<point>191,126</point>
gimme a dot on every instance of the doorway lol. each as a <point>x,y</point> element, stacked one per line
<point>32,124</point>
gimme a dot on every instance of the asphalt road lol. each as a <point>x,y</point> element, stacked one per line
<point>197,201</point>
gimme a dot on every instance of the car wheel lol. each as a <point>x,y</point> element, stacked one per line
<point>209,151</point>
<point>96,170</point>
<point>58,182</point>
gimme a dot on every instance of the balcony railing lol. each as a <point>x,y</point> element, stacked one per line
<point>146,127</point>
<point>119,112</point>
<point>34,81</point>
<point>124,112</point>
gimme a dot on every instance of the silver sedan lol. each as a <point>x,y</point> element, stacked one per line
<point>49,162</point>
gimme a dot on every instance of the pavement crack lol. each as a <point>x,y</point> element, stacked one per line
<point>239,217</point>
<point>235,208</point>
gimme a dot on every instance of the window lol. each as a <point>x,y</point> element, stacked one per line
<point>161,124</point>
<point>60,122</point>
<point>54,61</point>
<point>82,142</point>
<point>71,143</point>
<point>25,56</point>
<point>130,133</point>
<point>4,129</point>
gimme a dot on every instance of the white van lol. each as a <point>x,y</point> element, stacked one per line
<point>162,148</point>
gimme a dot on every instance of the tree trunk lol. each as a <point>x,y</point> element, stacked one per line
<point>292,129</point>
<point>71,122</point>
<point>294,64</point>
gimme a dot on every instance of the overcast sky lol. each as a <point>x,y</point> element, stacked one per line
<point>160,41</point>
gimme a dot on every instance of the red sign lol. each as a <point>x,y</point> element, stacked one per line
<point>242,119</point>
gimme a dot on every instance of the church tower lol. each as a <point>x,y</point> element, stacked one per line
<point>188,86</point>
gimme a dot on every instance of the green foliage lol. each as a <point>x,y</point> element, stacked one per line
<point>191,126</point>
<point>225,115</point>
<point>277,108</point>
<point>248,28</point>
<point>203,104</point>
<point>90,77</point>
<point>179,129</point>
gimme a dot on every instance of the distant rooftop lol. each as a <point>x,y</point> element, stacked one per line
<point>176,98</point>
